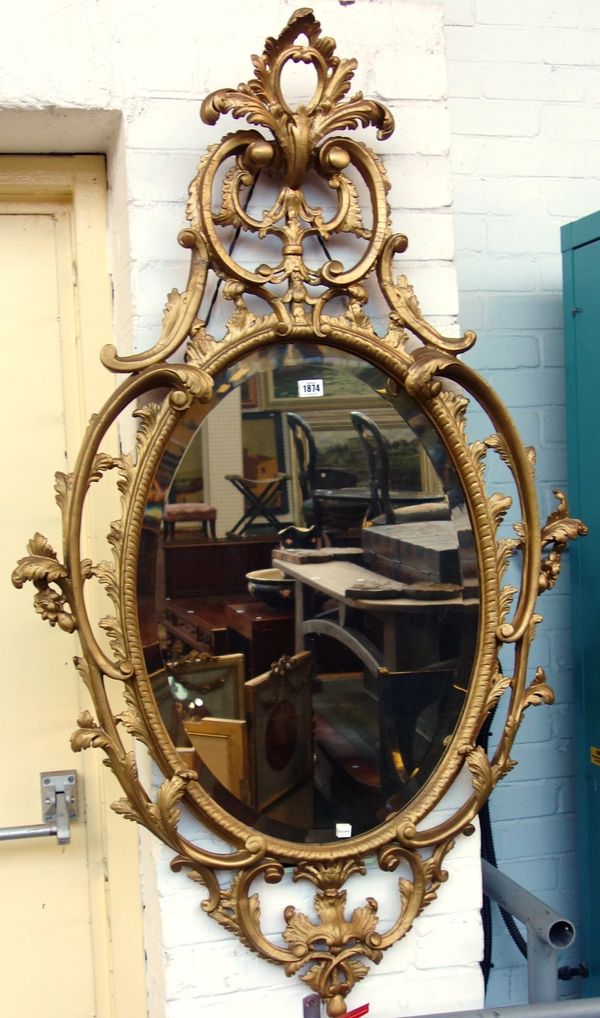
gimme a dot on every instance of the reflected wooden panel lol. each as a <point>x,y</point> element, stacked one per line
<point>221,744</point>
<point>279,709</point>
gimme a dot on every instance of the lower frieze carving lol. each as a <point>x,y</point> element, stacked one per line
<point>333,951</point>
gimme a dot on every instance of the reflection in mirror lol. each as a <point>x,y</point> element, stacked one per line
<point>308,593</point>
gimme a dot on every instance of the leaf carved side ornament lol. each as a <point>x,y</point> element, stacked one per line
<point>330,944</point>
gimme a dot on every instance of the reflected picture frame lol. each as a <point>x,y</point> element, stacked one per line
<point>216,680</point>
<point>283,386</point>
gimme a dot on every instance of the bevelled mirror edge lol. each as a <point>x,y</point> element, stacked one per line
<point>297,299</point>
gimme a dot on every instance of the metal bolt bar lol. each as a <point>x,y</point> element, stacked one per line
<point>589,1008</point>
<point>27,831</point>
<point>59,805</point>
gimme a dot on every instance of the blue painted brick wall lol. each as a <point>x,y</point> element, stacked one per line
<point>523,93</point>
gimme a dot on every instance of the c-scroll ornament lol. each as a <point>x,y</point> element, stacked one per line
<point>331,949</point>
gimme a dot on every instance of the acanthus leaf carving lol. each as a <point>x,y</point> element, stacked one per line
<point>137,728</point>
<point>89,734</point>
<point>558,530</point>
<point>499,685</point>
<point>114,630</point>
<point>506,599</point>
<point>352,221</point>
<point>332,947</point>
<point>421,378</point>
<point>481,771</point>
<point>42,568</point>
<point>538,691</point>
<point>200,345</point>
<point>405,306</point>
<point>499,444</point>
<point>506,548</point>
<point>499,505</point>
<point>63,484</point>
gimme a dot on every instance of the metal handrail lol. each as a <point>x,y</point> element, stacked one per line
<point>547,931</point>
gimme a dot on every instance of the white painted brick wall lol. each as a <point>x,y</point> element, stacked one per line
<point>523,87</point>
<point>127,78</point>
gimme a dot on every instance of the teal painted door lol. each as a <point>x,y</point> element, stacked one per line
<point>581,268</point>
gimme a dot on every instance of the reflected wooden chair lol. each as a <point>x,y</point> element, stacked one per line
<point>381,509</point>
<point>323,505</point>
<point>375,449</point>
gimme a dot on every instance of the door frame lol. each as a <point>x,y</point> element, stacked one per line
<point>79,184</point>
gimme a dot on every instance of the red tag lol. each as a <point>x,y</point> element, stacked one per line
<point>358,1011</point>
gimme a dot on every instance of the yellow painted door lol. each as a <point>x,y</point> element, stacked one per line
<point>71,946</point>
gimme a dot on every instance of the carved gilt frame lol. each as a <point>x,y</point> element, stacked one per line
<point>331,949</point>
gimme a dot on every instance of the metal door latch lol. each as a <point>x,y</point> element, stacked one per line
<point>59,806</point>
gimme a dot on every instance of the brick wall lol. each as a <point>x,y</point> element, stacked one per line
<point>524,84</point>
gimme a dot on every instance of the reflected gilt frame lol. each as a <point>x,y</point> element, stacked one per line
<point>330,949</point>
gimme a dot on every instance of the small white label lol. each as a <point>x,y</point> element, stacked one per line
<point>310,387</point>
<point>343,830</point>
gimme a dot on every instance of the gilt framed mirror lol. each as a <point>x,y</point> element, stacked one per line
<point>311,618</point>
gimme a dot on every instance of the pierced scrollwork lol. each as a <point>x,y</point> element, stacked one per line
<point>332,948</point>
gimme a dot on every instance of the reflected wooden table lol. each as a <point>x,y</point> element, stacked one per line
<point>335,579</point>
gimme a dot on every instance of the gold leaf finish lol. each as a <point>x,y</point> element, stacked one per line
<point>42,568</point>
<point>558,530</point>
<point>329,946</point>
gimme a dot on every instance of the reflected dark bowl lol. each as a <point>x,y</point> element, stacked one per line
<point>272,587</point>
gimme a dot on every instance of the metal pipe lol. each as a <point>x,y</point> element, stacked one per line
<point>28,831</point>
<point>589,1008</point>
<point>552,928</point>
<point>542,972</point>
